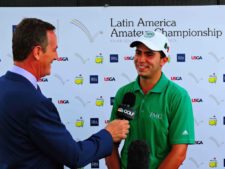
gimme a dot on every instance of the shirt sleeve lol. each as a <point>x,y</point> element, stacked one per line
<point>181,119</point>
<point>53,139</point>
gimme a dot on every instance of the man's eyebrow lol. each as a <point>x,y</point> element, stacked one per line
<point>137,50</point>
<point>149,51</point>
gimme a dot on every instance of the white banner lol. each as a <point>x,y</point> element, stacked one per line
<point>95,60</point>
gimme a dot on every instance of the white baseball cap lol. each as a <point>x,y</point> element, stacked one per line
<point>155,41</point>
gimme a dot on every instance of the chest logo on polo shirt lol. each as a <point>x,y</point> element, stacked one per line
<point>155,115</point>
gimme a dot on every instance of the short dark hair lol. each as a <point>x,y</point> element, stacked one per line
<point>29,33</point>
<point>162,54</point>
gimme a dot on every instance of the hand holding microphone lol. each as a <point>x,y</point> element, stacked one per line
<point>118,129</point>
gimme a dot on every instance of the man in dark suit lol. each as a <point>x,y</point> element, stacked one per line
<point>32,135</point>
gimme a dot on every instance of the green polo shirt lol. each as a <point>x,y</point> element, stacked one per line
<point>163,117</point>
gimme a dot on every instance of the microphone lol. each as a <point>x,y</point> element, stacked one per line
<point>125,110</point>
<point>138,155</point>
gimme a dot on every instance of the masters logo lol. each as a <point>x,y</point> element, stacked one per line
<point>79,80</point>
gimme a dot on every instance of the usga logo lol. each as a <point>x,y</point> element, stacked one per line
<point>62,59</point>
<point>196,58</point>
<point>196,100</point>
<point>107,121</point>
<point>109,79</point>
<point>43,80</point>
<point>198,142</point>
<point>63,101</point>
<point>176,78</point>
<point>128,57</point>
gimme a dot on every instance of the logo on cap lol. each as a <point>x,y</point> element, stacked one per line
<point>166,47</point>
<point>149,34</point>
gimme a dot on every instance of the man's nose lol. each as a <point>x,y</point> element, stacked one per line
<point>56,56</point>
<point>141,58</point>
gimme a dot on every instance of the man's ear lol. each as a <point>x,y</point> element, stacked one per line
<point>164,60</point>
<point>36,52</point>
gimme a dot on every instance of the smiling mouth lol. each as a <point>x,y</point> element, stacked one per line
<point>142,67</point>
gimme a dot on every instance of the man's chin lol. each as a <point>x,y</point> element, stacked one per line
<point>143,76</point>
<point>46,74</point>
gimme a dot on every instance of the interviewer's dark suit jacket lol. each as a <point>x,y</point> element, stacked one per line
<point>32,135</point>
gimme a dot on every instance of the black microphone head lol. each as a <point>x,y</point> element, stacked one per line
<point>138,155</point>
<point>129,99</point>
<point>125,110</point>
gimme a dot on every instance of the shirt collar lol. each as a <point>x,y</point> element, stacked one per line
<point>161,84</point>
<point>159,87</point>
<point>25,73</point>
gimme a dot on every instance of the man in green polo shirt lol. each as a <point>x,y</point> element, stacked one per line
<point>163,109</point>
